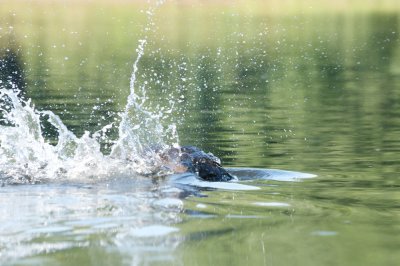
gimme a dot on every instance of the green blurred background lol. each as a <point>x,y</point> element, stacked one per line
<point>258,82</point>
<point>311,86</point>
<point>255,80</point>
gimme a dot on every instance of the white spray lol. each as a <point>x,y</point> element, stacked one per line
<point>26,156</point>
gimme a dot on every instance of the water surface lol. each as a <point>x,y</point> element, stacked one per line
<point>315,92</point>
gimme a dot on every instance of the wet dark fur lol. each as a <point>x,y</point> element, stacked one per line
<point>194,160</point>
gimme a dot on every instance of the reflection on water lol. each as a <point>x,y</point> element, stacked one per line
<point>11,70</point>
<point>115,217</point>
<point>308,92</point>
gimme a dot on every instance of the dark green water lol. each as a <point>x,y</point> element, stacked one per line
<point>317,93</point>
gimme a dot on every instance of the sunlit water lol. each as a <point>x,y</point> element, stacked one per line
<point>306,93</point>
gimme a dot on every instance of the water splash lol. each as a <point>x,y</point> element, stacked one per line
<point>26,156</point>
<point>141,132</point>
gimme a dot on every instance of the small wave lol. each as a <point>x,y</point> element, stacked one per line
<point>268,174</point>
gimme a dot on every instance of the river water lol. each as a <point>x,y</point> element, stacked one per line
<point>313,92</point>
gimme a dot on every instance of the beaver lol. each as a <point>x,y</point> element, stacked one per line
<point>194,160</point>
